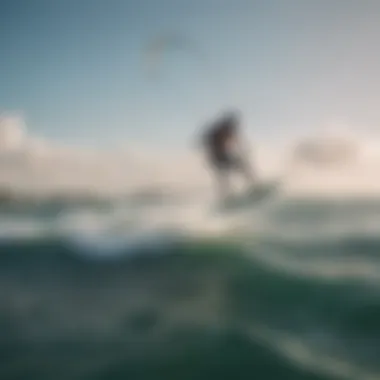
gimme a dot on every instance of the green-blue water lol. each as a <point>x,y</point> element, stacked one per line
<point>297,298</point>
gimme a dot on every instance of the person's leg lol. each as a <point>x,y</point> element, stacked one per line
<point>223,182</point>
<point>221,167</point>
<point>246,170</point>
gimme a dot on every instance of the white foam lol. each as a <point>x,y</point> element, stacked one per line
<point>303,353</point>
<point>11,228</point>
<point>155,227</point>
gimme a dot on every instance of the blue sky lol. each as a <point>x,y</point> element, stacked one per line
<point>74,67</point>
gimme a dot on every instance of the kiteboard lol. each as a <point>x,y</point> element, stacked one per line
<point>255,194</point>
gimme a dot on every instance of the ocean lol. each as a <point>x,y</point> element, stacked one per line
<point>154,288</point>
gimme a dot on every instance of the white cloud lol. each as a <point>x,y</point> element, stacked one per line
<point>32,164</point>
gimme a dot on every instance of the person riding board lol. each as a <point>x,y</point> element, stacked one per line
<point>221,141</point>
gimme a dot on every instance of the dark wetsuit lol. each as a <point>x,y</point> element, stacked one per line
<point>219,154</point>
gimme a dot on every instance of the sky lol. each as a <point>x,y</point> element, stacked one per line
<point>75,68</point>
